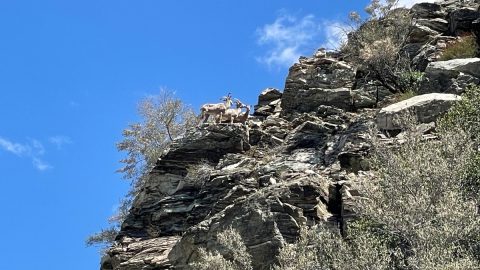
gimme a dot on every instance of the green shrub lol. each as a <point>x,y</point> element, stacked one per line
<point>323,248</point>
<point>405,95</point>
<point>411,80</point>
<point>377,44</point>
<point>419,195</point>
<point>198,174</point>
<point>233,256</point>
<point>465,114</point>
<point>465,47</point>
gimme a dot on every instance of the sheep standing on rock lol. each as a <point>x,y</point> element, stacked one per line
<point>231,114</point>
<point>235,115</point>
<point>243,117</point>
<point>217,109</point>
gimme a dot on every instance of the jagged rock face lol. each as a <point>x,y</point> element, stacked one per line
<point>266,192</point>
<point>326,81</point>
<point>131,253</point>
<point>428,10</point>
<point>318,81</point>
<point>269,102</point>
<point>151,205</point>
<point>266,220</point>
<point>435,23</point>
<point>427,108</point>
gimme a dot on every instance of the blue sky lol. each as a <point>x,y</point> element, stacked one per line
<point>71,74</point>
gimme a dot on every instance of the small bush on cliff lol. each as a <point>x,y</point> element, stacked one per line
<point>103,238</point>
<point>465,47</point>
<point>465,115</point>
<point>199,173</point>
<point>163,118</point>
<point>322,248</point>
<point>378,44</point>
<point>231,244</point>
<point>107,236</point>
<point>410,81</point>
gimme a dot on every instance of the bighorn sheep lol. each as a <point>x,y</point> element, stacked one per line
<point>235,115</point>
<point>217,109</point>
<point>231,114</point>
<point>244,117</point>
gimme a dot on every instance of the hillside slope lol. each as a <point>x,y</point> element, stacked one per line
<point>296,161</point>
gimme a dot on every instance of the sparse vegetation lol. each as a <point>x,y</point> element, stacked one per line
<point>464,47</point>
<point>322,248</point>
<point>377,45</point>
<point>164,118</point>
<point>199,173</point>
<point>107,236</point>
<point>405,95</point>
<point>103,238</point>
<point>418,196</point>
<point>235,255</point>
<point>465,115</point>
<point>410,81</point>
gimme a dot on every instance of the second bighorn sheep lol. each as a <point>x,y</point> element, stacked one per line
<point>235,115</point>
<point>217,109</point>
<point>231,114</point>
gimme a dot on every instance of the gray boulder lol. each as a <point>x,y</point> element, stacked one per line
<point>470,66</point>
<point>451,76</point>
<point>426,108</point>
<point>145,254</point>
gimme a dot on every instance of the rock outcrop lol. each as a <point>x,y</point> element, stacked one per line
<point>269,102</point>
<point>451,76</point>
<point>426,108</point>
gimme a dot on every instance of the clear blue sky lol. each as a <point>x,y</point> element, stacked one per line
<point>71,74</point>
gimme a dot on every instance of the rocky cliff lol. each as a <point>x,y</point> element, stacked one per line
<point>294,163</point>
